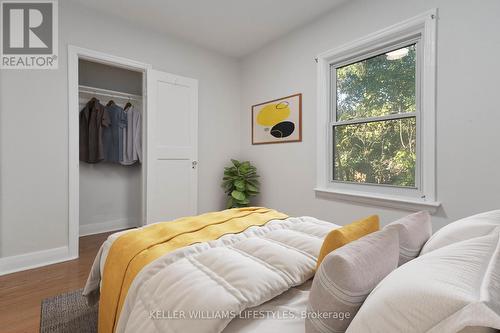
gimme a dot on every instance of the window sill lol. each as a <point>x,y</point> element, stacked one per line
<point>410,204</point>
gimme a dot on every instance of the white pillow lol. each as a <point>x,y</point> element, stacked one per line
<point>445,290</point>
<point>466,228</point>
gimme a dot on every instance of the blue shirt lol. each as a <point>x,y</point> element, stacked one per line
<point>112,136</point>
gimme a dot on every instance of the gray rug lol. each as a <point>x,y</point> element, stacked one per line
<point>68,313</point>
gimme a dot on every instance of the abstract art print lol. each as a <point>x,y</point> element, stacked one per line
<point>277,121</point>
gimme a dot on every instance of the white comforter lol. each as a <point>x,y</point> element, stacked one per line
<point>284,313</point>
<point>201,288</point>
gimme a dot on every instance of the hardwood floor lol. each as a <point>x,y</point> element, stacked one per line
<point>21,293</point>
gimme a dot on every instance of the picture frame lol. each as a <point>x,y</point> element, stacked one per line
<point>277,121</point>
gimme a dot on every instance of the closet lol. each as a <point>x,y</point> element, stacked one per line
<point>110,192</point>
<point>106,195</point>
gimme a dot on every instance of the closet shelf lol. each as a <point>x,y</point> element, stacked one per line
<point>108,93</point>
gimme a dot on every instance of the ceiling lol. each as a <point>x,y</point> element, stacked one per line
<point>231,27</point>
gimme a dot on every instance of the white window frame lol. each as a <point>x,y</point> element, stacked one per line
<point>422,31</point>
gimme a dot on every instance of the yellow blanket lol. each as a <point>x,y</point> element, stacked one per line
<point>135,249</point>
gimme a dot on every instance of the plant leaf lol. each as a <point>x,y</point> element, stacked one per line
<point>243,202</point>
<point>230,202</point>
<point>238,195</point>
<point>240,185</point>
<point>244,167</point>
<point>252,188</point>
<point>253,182</point>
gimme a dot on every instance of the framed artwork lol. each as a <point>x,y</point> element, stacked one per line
<point>277,121</point>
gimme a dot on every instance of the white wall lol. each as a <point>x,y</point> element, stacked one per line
<point>34,124</point>
<point>110,194</point>
<point>468,172</point>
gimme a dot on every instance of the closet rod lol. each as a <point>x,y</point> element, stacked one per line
<point>108,93</point>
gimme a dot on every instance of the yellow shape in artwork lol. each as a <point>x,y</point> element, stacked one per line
<point>271,114</point>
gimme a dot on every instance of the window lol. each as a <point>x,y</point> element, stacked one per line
<point>376,116</point>
<point>375,127</point>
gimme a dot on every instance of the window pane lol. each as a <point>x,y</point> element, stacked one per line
<point>381,85</point>
<point>382,152</point>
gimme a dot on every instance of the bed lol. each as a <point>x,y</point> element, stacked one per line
<point>259,280</point>
<point>217,278</point>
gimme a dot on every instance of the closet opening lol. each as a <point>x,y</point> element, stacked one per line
<point>110,147</point>
<point>107,144</point>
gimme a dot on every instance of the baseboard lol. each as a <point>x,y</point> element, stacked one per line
<point>31,260</point>
<point>107,226</point>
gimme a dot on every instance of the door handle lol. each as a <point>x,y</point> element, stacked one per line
<point>194,164</point>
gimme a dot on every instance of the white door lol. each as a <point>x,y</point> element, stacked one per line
<point>172,147</point>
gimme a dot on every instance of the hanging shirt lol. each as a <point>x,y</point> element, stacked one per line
<point>123,125</point>
<point>93,119</point>
<point>132,148</point>
<point>112,136</point>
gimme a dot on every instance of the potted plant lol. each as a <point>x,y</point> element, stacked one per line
<point>240,183</point>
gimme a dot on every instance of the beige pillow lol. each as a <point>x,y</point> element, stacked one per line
<point>346,277</point>
<point>414,230</point>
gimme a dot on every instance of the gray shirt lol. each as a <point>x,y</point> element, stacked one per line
<point>132,148</point>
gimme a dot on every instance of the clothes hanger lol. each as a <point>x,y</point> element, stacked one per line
<point>93,101</point>
<point>111,102</point>
<point>128,105</point>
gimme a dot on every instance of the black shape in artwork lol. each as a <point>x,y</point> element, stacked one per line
<point>283,129</point>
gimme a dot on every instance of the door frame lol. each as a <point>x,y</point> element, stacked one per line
<point>74,54</point>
